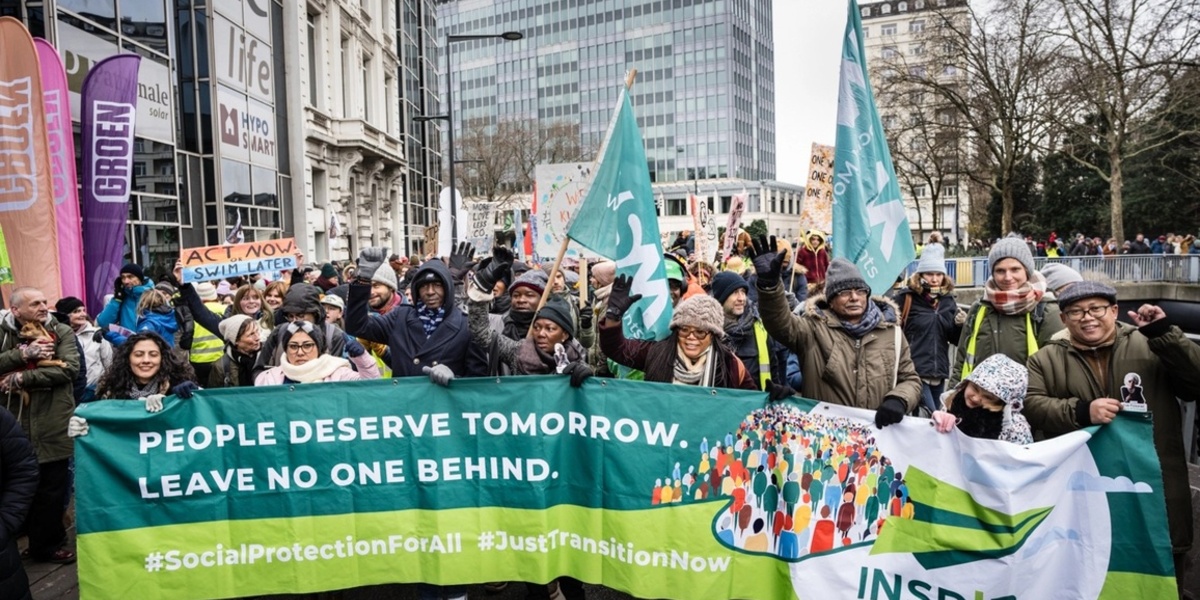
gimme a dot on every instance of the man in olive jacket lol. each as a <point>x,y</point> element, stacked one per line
<point>846,340</point>
<point>1076,382</point>
<point>50,405</point>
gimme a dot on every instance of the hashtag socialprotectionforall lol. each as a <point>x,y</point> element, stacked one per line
<point>249,554</point>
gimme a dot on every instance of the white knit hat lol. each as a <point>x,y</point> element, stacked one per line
<point>933,259</point>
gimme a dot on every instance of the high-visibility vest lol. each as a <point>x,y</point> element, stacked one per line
<point>207,347</point>
<point>1031,345</point>
<point>764,355</point>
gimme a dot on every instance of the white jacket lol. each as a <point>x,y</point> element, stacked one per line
<point>97,355</point>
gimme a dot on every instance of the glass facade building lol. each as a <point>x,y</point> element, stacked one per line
<point>704,94</point>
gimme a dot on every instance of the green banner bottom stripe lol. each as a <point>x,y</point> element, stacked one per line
<point>223,559</point>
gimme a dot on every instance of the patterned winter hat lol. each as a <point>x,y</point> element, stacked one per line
<point>1008,380</point>
<point>701,312</point>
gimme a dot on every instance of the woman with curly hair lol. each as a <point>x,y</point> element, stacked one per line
<point>144,366</point>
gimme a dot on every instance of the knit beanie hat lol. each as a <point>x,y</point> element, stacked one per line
<point>328,271</point>
<point>207,291</point>
<point>700,312</point>
<point>1082,290</point>
<point>605,272</point>
<point>532,279</point>
<point>133,269</point>
<point>725,284</point>
<point>556,309</point>
<point>1058,275</point>
<point>68,305</point>
<point>933,259</point>
<point>385,275</point>
<point>1011,247</point>
<point>316,333</point>
<point>230,327</point>
<point>842,275</point>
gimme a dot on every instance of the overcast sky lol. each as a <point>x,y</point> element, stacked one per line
<point>807,51</point>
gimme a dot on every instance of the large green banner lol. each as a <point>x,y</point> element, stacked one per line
<point>657,490</point>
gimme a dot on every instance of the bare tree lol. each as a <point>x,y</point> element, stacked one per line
<point>1124,57</point>
<point>992,71</point>
<point>501,157</point>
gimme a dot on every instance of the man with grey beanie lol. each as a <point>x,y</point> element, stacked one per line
<point>851,349</point>
<point>1013,317</point>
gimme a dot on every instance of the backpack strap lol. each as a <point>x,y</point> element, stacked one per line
<point>905,309</point>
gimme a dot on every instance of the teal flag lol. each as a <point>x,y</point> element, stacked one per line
<point>618,220</point>
<point>656,490</point>
<point>870,225</point>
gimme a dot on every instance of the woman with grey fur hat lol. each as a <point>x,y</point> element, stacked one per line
<point>688,356</point>
<point>1013,318</point>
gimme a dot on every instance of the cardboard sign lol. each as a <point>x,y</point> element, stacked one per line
<point>817,208</point>
<point>222,262</point>
<point>481,228</point>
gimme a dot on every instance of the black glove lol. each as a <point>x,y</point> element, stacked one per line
<point>619,299</point>
<point>493,269</point>
<point>98,336</point>
<point>354,348</point>
<point>890,412</point>
<point>119,290</point>
<point>585,317</point>
<point>778,391</point>
<point>185,389</point>
<point>578,372</point>
<point>768,263</point>
<point>369,261</point>
<point>460,259</point>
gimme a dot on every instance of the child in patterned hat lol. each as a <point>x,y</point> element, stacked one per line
<point>987,404</point>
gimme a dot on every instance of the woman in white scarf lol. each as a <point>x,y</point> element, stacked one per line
<point>304,359</point>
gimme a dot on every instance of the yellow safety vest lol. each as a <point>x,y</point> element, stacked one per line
<point>1031,345</point>
<point>764,356</point>
<point>207,347</point>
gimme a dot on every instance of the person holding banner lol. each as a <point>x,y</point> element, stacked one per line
<point>305,360</point>
<point>850,346</point>
<point>146,365</point>
<point>688,356</point>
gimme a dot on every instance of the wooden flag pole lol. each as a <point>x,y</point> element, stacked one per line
<point>562,248</point>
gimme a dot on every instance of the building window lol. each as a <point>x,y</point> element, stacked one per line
<point>919,191</point>
<point>902,7</point>
<point>885,9</point>
<point>916,26</point>
<point>367,106</point>
<point>314,77</point>
<point>347,96</point>
<point>950,191</point>
<point>866,11</point>
<point>866,32</point>
<point>889,52</point>
<point>919,4</point>
<point>887,30</point>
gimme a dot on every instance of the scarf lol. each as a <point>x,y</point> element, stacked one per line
<point>698,372</point>
<point>930,293</point>
<point>531,361</point>
<point>1019,301</point>
<point>516,324</point>
<point>870,319</point>
<point>430,319</point>
<point>155,386</point>
<point>500,304</point>
<point>314,370</point>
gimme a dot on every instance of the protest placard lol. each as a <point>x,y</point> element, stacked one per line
<point>705,229</point>
<point>559,190</point>
<point>817,208</point>
<point>237,260</point>
<point>701,494</point>
<point>733,225</point>
<point>481,227</point>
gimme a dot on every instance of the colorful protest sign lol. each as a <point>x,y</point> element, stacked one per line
<point>870,223</point>
<point>560,188</point>
<point>481,227</point>
<point>109,112</point>
<point>816,211</point>
<point>699,494</point>
<point>5,264</point>
<point>733,225</point>
<point>618,221</point>
<point>237,260</point>
<point>26,189</point>
<point>704,229</point>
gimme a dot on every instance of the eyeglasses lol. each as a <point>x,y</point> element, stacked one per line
<point>305,347</point>
<point>1076,314</point>
<point>854,292</point>
<point>695,334</point>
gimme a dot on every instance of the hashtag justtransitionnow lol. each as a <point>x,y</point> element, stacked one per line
<point>486,540</point>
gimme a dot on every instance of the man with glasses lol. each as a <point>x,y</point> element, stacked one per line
<point>851,350</point>
<point>1076,382</point>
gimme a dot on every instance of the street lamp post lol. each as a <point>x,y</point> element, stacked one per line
<point>511,36</point>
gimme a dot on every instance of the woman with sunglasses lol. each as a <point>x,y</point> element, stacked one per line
<point>688,356</point>
<point>304,359</point>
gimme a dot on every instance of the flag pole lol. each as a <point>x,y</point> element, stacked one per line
<point>562,248</point>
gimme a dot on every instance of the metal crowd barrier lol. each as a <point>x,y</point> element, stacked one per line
<point>1174,268</point>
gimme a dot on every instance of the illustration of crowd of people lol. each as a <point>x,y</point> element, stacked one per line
<point>1042,352</point>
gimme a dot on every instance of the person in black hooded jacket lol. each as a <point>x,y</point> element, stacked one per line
<point>18,482</point>
<point>303,301</point>
<point>431,332</point>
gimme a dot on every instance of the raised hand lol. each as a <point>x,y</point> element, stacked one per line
<point>493,269</point>
<point>619,299</point>
<point>369,261</point>
<point>768,264</point>
<point>461,257</point>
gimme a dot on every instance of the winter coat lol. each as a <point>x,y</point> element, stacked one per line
<point>596,358</point>
<point>18,482</point>
<point>816,261</point>
<point>304,298</point>
<point>639,354</point>
<point>1136,247</point>
<point>1169,366</point>
<point>838,368</point>
<point>930,329</point>
<point>402,331</point>
<point>123,312</point>
<point>97,354</point>
<point>1156,247</point>
<point>233,369</point>
<point>740,338</point>
<point>1003,334</point>
<point>363,362</point>
<point>51,397</point>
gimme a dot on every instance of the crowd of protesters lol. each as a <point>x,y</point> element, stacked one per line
<point>783,318</point>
